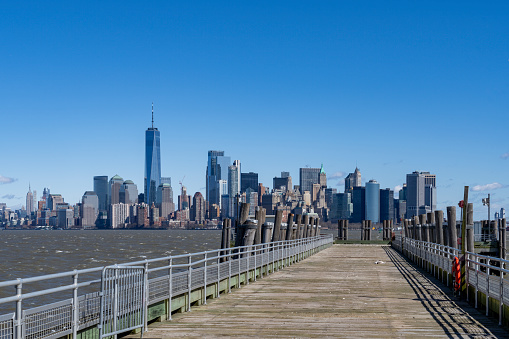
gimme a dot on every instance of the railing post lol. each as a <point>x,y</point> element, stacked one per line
<point>145,297</point>
<point>75,306</point>
<point>487,288</point>
<point>189,276</point>
<point>19,310</point>
<point>205,281</point>
<point>255,255</point>
<point>218,273</point>
<point>229,270</point>
<point>170,286</point>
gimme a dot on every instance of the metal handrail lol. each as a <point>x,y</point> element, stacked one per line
<point>81,311</point>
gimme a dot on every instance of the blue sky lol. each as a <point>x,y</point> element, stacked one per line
<point>390,86</point>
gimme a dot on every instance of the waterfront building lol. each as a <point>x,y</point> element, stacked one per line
<point>502,213</point>
<point>306,197</point>
<point>65,218</point>
<point>214,211</point>
<point>269,202</point>
<point>184,199</point>
<point>198,208</point>
<point>225,206</point>
<point>128,192</point>
<point>217,169</point>
<point>373,201</point>
<point>101,189</point>
<point>89,208</point>
<point>252,199</point>
<point>114,189</point>
<point>308,177</point>
<point>142,215</point>
<point>119,215</point>
<point>352,180</point>
<point>359,203</point>
<point>248,180</point>
<point>402,193</point>
<point>387,204</point>
<point>152,162</point>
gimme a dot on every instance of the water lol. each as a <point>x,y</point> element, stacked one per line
<point>26,254</point>
<point>30,253</point>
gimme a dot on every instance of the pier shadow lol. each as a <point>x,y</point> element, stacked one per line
<point>456,317</point>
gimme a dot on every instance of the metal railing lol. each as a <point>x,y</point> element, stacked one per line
<point>167,277</point>
<point>485,274</point>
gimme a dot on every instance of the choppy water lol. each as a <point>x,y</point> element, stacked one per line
<point>26,254</point>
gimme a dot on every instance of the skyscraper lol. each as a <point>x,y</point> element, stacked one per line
<point>359,203</point>
<point>352,180</point>
<point>387,205</point>
<point>128,192</point>
<point>152,162</point>
<point>165,200</point>
<point>217,169</point>
<point>198,209</point>
<point>89,208</point>
<point>114,189</point>
<point>248,180</point>
<point>30,201</point>
<point>420,193</point>
<point>308,177</point>
<point>234,186</point>
<point>373,201</point>
<point>101,189</point>
<point>284,181</point>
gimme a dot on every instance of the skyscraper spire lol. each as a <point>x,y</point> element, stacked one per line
<point>152,114</point>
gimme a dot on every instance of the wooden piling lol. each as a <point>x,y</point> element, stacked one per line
<point>405,227</point>
<point>439,219</point>
<point>368,230</point>
<point>340,229</point>
<point>345,230</point>
<point>260,216</point>
<point>298,231</point>
<point>451,223</point>
<point>267,229</point>
<point>310,227</point>
<point>305,226</point>
<point>289,227</point>
<point>277,226</point>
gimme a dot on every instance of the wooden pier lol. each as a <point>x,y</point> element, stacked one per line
<point>350,291</point>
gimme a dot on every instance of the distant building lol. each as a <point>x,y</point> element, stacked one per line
<point>233,186</point>
<point>53,201</point>
<point>373,201</point>
<point>420,194</point>
<point>30,202</point>
<point>101,189</point>
<point>128,193</point>
<point>308,177</point>
<point>198,209</point>
<point>114,189</point>
<point>352,180</point>
<point>322,178</point>
<point>89,208</point>
<point>329,196</point>
<point>184,199</point>
<point>283,183</point>
<point>119,215</point>
<point>359,203</point>
<point>165,200</point>
<point>152,162</point>
<point>65,218</point>
<point>217,169</point>
<point>248,180</point>
<point>387,204</point>
<point>261,191</point>
<point>341,206</point>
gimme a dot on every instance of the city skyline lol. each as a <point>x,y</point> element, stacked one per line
<point>374,77</point>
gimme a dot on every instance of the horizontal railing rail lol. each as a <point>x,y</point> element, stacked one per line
<point>168,277</point>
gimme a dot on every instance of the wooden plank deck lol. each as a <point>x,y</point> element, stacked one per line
<point>339,292</point>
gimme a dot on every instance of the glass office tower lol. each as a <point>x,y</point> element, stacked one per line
<point>152,163</point>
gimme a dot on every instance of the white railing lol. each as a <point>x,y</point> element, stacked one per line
<point>485,274</point>
<point>57,308</point>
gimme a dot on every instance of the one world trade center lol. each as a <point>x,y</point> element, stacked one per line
<point>152,162</point>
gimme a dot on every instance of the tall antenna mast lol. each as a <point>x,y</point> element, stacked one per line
<point>152,115</point>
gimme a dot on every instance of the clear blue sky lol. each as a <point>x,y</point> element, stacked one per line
<point>390,86</point>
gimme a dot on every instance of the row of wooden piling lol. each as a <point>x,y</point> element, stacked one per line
<point>257,231</point>
<point>366,228</point>
<point>429,227</point>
